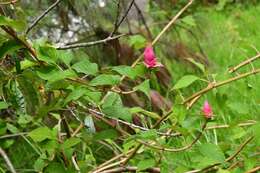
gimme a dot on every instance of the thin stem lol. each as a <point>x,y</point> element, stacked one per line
<point>7,160</point>
<point>122,19</point>
<point>178,149</point>
<point>139,11</point>
<point>240,148</point>
<point>233,69</point>
<point>91,43</point>
<point>37,20</point>
<point>256,169</point>
<point>215,85</point>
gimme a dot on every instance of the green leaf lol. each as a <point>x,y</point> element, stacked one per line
<point>3,105</point>
<point>86,67</point>
<point>55,167</point>
<point>48,54</point>
<point>144,87</point>
<point>185,81</point>
<point>41,134</point>
<point>39,164</point>
<point>19,25</point>
<point>153,115</point>
<point>137,41</point>
<point>107,134</point>
<point>212,151</point>
<point>52,75</point>
<point>65,57</point>
<point>125,70</point>
<point>93,96</point>
<point>199,65</point>
<point>146,163</point>
<point>70,143</point>
<point>9,47</point>
<point>118,112</point>
<point>12,128</point>
<point>75,94</point>
<point>150,134</point>
<point>105,79</point>
<point>189,20</point>
<point>27,64</point>
<point>112,99</point>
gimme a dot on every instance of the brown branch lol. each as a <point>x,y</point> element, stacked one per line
<point>37,20</point>
<point>256,169</point>
<point>122,19</point>
<point>233,69</point>
<point>117,18</point>
<point>178,149</point>
<point>9,2</point>
<point>240,148</point>
<point>7,160</point>
<point>91,43</point>
<point>215,85</point>
<point>13,34</point>
<point>131,169</point>
<point>139,11</point>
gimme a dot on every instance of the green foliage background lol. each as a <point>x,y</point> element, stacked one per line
<point>42,103</point>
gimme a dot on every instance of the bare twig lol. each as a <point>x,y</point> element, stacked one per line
<point>74,161</point>
<point>122,19</point>
<point>178,149</point>
<point>139,11</point>
<point>240,148</point>
<point>37,20</point>
<point>91,43</point>
<point>7,160</point>
<point>215,85</point>
<point>13,135</point>
<point>233,69</point>
<point>117,18</point>
<point>256,169</point>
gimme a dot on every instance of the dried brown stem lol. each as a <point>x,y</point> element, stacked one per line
<point>37,20</point>
<point>240,148</point>
<point>178,149</point>
<point>130,169</point>
<point>215,85</point>
<point>117,25</point>
<point>233,69</point>
<point>256,169</point>
<point>7,161</point>
<point>8,2</point>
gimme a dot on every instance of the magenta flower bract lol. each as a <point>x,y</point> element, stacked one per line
<point>207,110</point>
<point>150,58</point>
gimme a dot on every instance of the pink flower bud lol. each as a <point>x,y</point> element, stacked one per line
<point>150,58</point>
<point>207,110</point>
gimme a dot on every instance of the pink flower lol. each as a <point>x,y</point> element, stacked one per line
<point>149,58</point>
<point>207,110</point>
